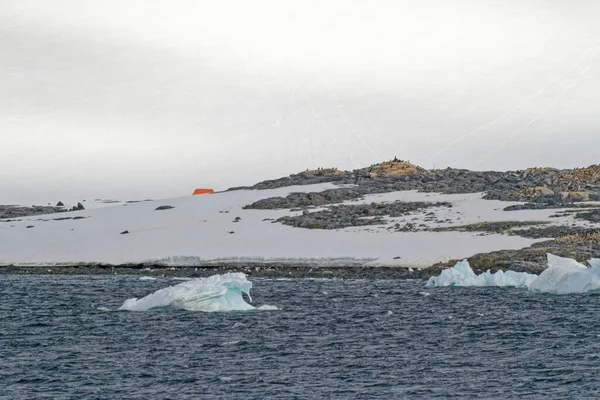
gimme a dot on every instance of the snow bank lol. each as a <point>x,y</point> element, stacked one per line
<point>194,261</point>
<point>565,275</point>
<point>215,293</point>
<point>462,275</point>
<point>202,230</point>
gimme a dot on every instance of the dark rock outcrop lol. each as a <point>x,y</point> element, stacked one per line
<point>542,187</point>
<point>592,216</point>
<point>343,216</point>
<point>7,212</point>
<point>491,227</point>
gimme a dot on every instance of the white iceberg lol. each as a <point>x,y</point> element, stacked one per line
<point>462,275</point>
<point>213,294</point>
<point>565,275</point>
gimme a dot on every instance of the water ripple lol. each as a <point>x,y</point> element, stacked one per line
<point>332,339</point>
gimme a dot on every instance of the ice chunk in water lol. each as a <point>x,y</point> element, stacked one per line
<point>215,293</point>
<point>565,275</point>
<point>462,275</point>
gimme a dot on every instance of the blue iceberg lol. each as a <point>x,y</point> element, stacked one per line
<point>461,274</point>
<point>217,293</point>
<point>562,276</point>
<point>565,276</point>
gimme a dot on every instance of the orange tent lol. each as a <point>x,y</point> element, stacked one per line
<point>203,191</point>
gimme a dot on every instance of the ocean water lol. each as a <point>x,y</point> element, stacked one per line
<point>332,339</point>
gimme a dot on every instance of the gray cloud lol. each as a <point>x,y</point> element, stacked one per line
<point>153,98</point>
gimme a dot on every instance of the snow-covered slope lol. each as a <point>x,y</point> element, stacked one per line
<point>202,228</point>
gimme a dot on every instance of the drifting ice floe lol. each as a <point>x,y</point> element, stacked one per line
<point>462,275</point>
<point>565,275</point>
<point>215,293</point>
<point>562,276</point>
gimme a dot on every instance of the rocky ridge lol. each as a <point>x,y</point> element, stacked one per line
<point>540,188</point>
<point>344,216</point>
<point>545,187</point>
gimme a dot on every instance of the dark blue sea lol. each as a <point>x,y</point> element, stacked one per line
<point>332,339</point>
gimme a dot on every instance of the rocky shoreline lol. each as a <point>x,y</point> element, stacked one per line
<point>259,270</point>
<point>530,259</point>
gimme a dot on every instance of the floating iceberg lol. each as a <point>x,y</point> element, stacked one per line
<point>462,275</point>
<point>565,275</point>
<point>212,294</point>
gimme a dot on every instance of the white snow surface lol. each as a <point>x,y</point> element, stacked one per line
<point>461,274</point>
<point>199,229</point>
<point>565,276</point>
<point>217,293</point>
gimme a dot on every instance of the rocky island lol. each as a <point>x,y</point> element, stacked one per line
<point>392,219</point>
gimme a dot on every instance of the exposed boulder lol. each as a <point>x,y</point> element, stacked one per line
<point>592,216</point>
<point>78,207</point>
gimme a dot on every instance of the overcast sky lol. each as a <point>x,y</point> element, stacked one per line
<point>153,98</point>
